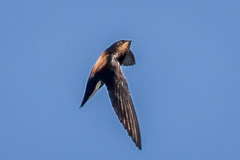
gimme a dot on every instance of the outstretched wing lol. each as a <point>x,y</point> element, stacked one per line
<point>123,104</point>
<point>93,85</point>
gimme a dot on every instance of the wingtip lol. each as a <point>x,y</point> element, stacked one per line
<point>139,146</point>
<point>81,105</point>
<point>83,102</point>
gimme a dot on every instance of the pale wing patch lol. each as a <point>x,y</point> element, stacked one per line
<point>97,87</point>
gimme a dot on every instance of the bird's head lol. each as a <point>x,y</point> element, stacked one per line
<point>121,46</point>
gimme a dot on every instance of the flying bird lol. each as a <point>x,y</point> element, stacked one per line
<point>107,71</point>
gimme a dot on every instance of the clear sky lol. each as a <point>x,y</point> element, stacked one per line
<point>185,84</point>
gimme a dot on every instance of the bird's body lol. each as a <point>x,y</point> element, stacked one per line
<point>107,71</point>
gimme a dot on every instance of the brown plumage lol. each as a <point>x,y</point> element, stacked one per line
<point>107,71</point>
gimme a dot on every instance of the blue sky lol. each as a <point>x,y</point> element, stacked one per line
<point>185,84</point>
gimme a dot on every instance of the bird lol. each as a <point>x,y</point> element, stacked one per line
<point>107,71</point>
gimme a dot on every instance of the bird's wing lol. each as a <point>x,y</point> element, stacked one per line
<point>123,104</point>
<point>93,85</point>
<point>129,59</point>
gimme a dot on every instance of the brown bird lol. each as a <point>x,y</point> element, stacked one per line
<point>107,71</point>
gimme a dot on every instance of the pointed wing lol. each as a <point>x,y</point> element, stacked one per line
<point>123,104</point>
<point>93,85</point>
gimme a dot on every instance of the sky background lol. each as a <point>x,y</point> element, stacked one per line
<point>185,84</point>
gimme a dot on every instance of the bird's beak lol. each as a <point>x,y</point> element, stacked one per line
<point>125,46</point>
<point>128,43</point>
